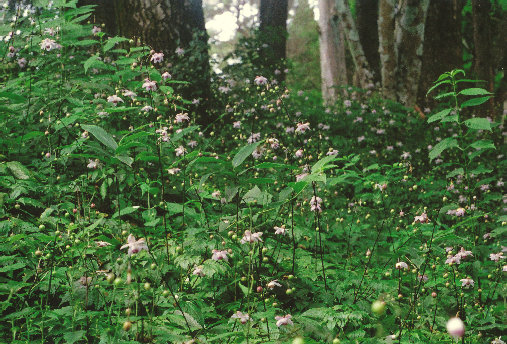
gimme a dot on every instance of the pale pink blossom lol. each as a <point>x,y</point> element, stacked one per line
<point>285,320</point>
<point>401,265</point>
<point>128,93</point>
<point>251,237</point>
<point>299,153</point>
<point>423,218</point>
<point>236,125</point>
<point>134,246</point>
<point>149,85</point>
<point>114,99</point>
<point>102,243</point>
<point>166,76</point>
<point>181,117</point>
<point>456,327</point>
<point>48,44</point>
<point>96,30</point>
<point>157,57</point>
<point>260,80</point>
<point>315,204</point>
<point>180,151</point>
<point>243,318</point>
<point>273,284</point>
<point>220,255</point>
<point>280,230</point>
<point>179,51</point>
<point>302,127</point>
<point>254,137</point>
<point>467,282</point>
<point>496,256</point>
<point>198,271</point>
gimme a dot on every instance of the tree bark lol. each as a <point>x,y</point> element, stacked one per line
<point>362,68</point>
<point>273,22</point>
<point>483,59</point>
<point>442,45</point>
<point>332,51</point>
<point>367,15</point>
<point>387,50</point>
<point>409,35</point>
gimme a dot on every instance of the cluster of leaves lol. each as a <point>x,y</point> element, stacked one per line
<point>122,220</point>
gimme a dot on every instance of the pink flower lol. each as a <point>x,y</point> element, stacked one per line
<point>467,282</point>
<point>299,153</point>
<point>332,152</point>
<point>128,93</point>
<point>93,163</point>
<point>166,76</point>
<point>496,256</point>
<point>157,57</point>
<point>149,85</point>
<point>174,170</point>
<point>146,108</point>
<point>406,155</point>
<point>243,318</point>
<point>260,80</point>
<point>180,151</point>
<point>22,62</point>
<point>285,320</point>
<point>280,230</point>
<point>302,127</point>
<point>300,176</point>
<point>134,246</point>
<point>102,243</point>
<point>236,125</point>
<point>48,44</point>
<point>198,271</point>
<point>114,99</point>
<point>179,51</point>
<point>273,284</point>
<point>251,237</point>
<point>423,218</point>
<point>401,265</point>
<point>181,117</point>
<point>192,144</point>
<point>254,137</point>
<point>220,255</point>
<point>464,253</point>
<point>96,30</point>
<point>315,203</point>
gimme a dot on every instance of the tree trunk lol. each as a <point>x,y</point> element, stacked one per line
<point>273,22</point>
<point>367,15</point>
<point>442,45</point>
<point>483,59</point>
<point>409,35</point>
<point>332,51</point>
<point>387,50</point>
<point>362,68</point>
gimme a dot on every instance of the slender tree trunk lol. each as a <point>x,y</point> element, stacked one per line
<point>273,27</point>
<point>387,51</point>
<point>332,51</point>
<point>409,35</point>
<point>483,59</point>
<point>442,45</point>
<point>367,15</point>
<point>362,68</point>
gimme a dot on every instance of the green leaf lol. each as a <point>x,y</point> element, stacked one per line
<point>12,267</point>
<point>483,144</point>
<point>441,146</point>
<point>474,92</point>
<point>439,115</point>
<point>72,337</point>
<point>478,124</point>
<point>474,101</point>
<point>103,190</point>
<point>18,170</point>
<point>111,42</point>
<point>125,211</point>
<point>101,135</point>
<point>244,153</point>
<point>93,61</point>
<point>456,172</point>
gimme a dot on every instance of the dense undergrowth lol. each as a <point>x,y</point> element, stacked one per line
<point>122,220</point>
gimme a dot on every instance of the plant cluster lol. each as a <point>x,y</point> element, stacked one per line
<point>123,221</point>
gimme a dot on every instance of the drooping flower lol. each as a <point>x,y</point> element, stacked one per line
<point>423,218</point>
<point>128,93</point>
<point>280,230</point>
<point>48,44</point>
<point>496,256</point>
<point>181,117</point>
<point>198,271</point>
<point>180,151</point>
<point>134,246</point>
<point>114,99</point>
<point>273,284</point>
<point>467,282</point>
<point>236,125</point>
<point>401,265</point>
<point>315,204</point>
<point>157,57</point>
<point>96,30</point>
<point>251,237</point>
<point>179,51</point>
<point>102,243</point>
<point>220,255</point>
<point>285,320</point>
<point>260,80</point>
<point>302,127</point>
<point>93,163</point>
<point>166,76</point>
<point>243,318</point>
<point>149,85</point>
<point>254,137</point>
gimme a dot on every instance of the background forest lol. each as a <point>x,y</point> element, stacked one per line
<point>253,171</point>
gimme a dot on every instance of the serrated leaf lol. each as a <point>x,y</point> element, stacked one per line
<point>441,146</point>
<point>483,144</point>
<point>18,170</point>
<point>72,337</point>
<point>244,153</point>
<point>125,211</point>
<point>456,172</point>
<point>478,124</point>
<point>111,42</point>
<point>439,115</point>
<point>474,92</point>
<point>101,135</point>
<point>474,101</point>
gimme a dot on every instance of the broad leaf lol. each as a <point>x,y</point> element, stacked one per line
<point>478,124</point>
<point>244,153</point>
<point>441,146</point>
<point>439,115</point>
<point>101,135</point>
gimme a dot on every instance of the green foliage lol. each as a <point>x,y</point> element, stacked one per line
<point>122,220</point>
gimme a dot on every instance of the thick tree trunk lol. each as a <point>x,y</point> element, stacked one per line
<point>483,59</point>
<point>409,35</point>
<point>332,51</point>
<point>442,45</point>
<point>387,50</point>
<point>367,15</point>
<point>362,68</point>
<point>273,22</point>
